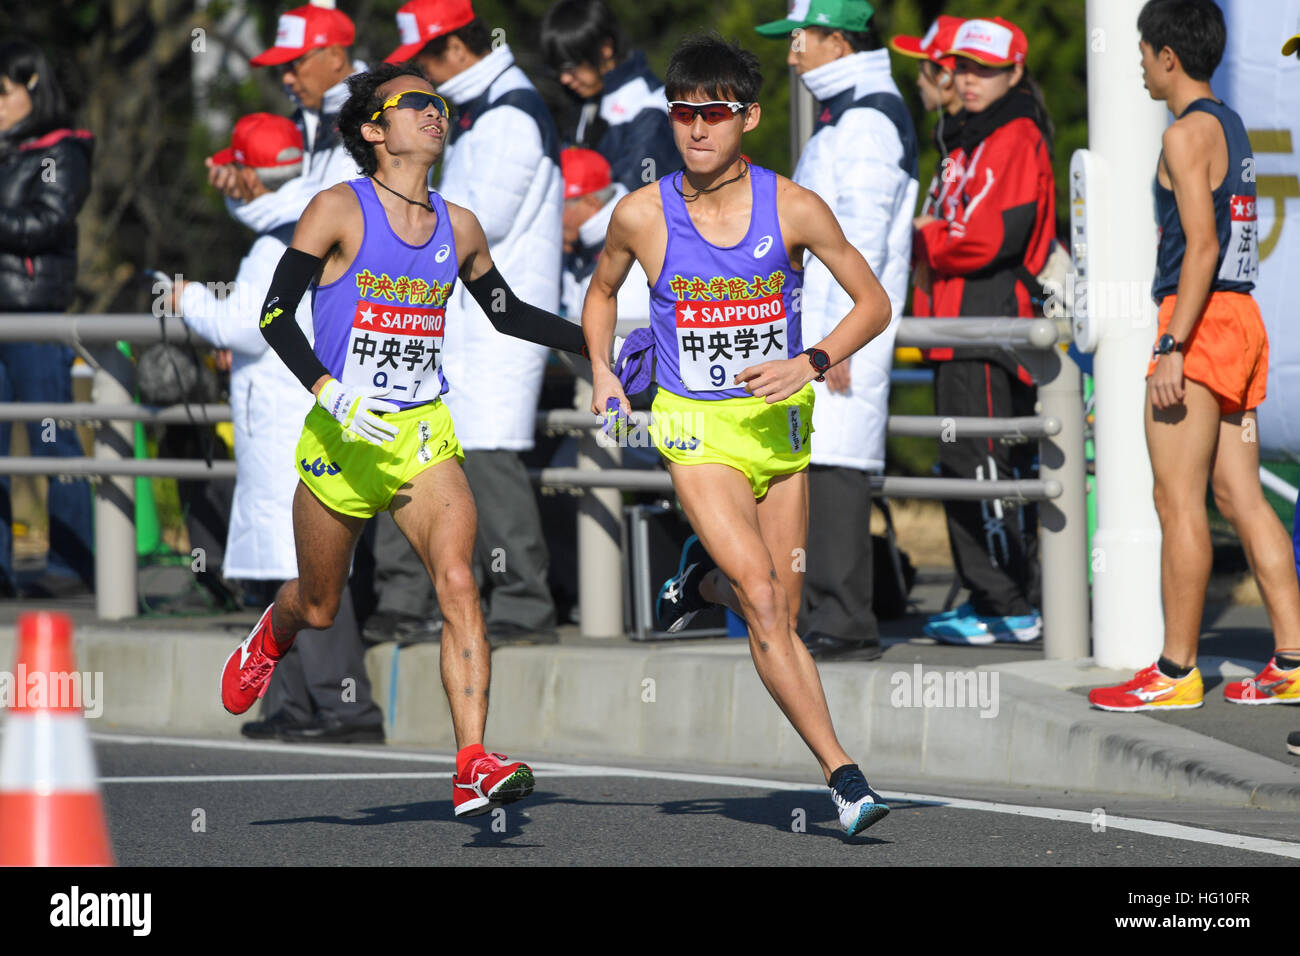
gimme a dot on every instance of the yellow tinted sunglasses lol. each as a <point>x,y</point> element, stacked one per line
<point>414,100</point>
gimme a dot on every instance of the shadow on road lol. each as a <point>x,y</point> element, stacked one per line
<point>782,810</point>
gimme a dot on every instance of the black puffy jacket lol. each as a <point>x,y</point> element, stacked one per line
<point>43,184</point>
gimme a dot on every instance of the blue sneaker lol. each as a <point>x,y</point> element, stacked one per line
<point>970,628</point>
<point>961,610</point>
<point>680,599</point>
<point>1016,629</point>
<point>859,806</point>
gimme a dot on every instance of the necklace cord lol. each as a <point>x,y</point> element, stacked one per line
<point>422,205</point>
<point>708,189</point>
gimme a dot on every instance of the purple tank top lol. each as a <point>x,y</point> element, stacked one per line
<point>715,311</point>
<point>381,323</point>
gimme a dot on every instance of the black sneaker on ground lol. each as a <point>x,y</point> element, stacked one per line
<point>859,806</point>
<point>1293,742</point>
<point>383,626</point>
<point>507,634</point>
<point>825,646</point>
<point>330,729</point>
<point>270,727</point>
<point>679,598</point>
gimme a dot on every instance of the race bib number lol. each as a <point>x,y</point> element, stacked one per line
<point>717,340</point>
<point>1241,256</point>
<point>398,348</point>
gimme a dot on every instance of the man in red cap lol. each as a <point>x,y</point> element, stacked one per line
<point>311,56</point>
<point>935,81</point>
<point>590,196</point>
<point>502,161</point>
<point>935,73</point>
<point>303,702</point>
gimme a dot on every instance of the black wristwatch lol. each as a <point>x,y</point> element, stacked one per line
<point>820,361</point>
<point>1166,344</point>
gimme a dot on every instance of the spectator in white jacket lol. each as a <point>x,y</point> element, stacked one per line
<point>590,195</point>
<point>308,699</point>
<point>502,162</point>
<point>312,55</point>
<point>861,160</point>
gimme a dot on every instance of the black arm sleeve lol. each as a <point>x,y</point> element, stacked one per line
<point>510,315</point>
<point>279,322</point>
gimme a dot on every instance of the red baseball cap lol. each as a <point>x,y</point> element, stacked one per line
<point>422,20</point>
<point>305,28</point>
<point>585,171</point>
<point>262,141</point>
<point>936,43</point>
<point>994,42</point>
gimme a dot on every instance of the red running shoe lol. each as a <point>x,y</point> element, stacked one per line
<point>1271,686</point>
<point>248,669</point>
<point>1151,690</point>
<point>490,780</point>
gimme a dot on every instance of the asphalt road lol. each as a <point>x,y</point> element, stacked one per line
<point>179,802</point>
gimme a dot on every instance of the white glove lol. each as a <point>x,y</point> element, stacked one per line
<point>355,409</point>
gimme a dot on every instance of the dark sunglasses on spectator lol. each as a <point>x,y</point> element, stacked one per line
<point>714,112</point>
<point>414,100</point>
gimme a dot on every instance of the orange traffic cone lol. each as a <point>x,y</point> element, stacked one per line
<point>50,810</point>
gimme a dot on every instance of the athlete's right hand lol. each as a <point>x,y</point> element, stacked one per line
<point>354,408</point>
<point>604,386</point>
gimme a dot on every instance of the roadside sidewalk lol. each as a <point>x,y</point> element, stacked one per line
<point>998,715</point>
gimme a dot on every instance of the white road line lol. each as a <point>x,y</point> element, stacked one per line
<point>253,746</point>
<point>1159,828</point>
<point>275,777</point>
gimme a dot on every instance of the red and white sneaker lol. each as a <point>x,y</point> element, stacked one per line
<point>248,669</point>
<point>490,780</point>
<point>1271,686</point>
<point>1151,690</point>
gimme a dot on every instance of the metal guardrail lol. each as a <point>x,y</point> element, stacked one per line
<point>556,420</point>
<point>1058,429</point>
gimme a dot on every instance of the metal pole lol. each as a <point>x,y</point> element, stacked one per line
<point>116,590</point>
<point>600,536</point>
<point>1124,128</point>
<point>1063,521</point>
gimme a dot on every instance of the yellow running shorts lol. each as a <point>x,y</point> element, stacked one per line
<point>759,440</point>
<point>360,479</point>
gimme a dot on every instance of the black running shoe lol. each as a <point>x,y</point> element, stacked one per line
<point>680,599</point>
<point>1293,743</point>
<point>859,806</point>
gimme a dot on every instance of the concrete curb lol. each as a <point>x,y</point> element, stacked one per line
<point>704,703</point>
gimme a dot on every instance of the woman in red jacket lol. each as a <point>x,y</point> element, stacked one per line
<point>993,234</point>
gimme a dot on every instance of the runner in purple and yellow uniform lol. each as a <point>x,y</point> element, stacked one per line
<point>382,255</point>
<point>722,243</point>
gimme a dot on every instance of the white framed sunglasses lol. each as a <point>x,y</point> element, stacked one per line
<point>713,112</point>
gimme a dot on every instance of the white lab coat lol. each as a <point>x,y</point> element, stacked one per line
<point>268,406</point>
<point>854,166</point>
<point>500,171</point>
<point>633,295</point>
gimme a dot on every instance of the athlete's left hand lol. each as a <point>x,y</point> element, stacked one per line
<point>1166,383</point>
<point>777,380</point>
